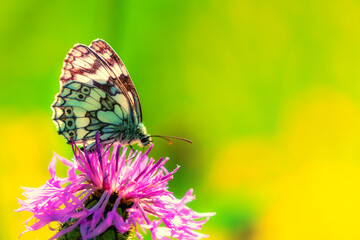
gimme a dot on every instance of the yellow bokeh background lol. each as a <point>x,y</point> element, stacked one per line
<point>267,90</point>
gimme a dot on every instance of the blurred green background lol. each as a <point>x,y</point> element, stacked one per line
<point>267,90</point>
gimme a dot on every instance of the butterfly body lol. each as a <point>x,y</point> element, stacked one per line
<point>97,96</point>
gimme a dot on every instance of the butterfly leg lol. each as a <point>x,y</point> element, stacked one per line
<point>108,146</point>
<point>132,149</point>
<point>91,147</point>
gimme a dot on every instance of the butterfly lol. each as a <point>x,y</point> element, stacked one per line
<point>97,96</point>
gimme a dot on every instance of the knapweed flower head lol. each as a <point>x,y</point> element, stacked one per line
<point>112,190</point>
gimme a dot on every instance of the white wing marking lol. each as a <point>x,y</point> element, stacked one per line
<point>79,112</point>
<point>82,122</point>
<point>80,133</point>
<point>108,117</point>
<point>121,99</point>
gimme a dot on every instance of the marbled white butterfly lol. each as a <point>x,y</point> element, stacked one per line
<point>97,95</point>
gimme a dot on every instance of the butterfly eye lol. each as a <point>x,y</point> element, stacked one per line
<point>144,140</point>
<point>85,90</point>
<point>69,112</point>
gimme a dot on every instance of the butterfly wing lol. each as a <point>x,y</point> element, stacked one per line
<point>97,66</point>
<point>111,105</point>
<point>112,59</point>
<point>81,110</point>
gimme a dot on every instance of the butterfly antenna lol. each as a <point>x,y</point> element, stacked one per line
<point>170,142</point>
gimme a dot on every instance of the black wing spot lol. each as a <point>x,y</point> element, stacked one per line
<point>85,90</point>
<point>69,112</point>
<point>70,123</point>
<point>81,96</point>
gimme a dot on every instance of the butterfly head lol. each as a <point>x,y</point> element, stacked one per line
<point>144,138</point>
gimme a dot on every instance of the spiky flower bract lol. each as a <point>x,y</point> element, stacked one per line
<point>112,190</point>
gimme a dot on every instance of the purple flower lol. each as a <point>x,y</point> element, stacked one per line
<point>118,190</point>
